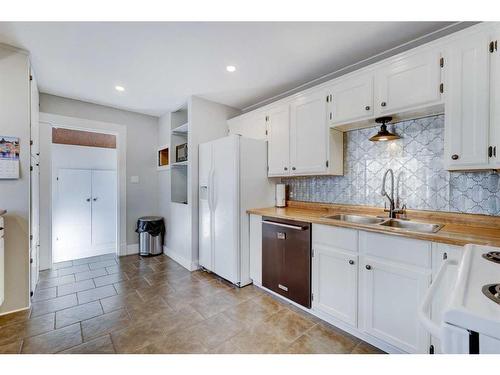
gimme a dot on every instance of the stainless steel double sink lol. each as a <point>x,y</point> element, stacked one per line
<point>399,224</point>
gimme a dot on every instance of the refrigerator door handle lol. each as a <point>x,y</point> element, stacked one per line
<point>211,190</point>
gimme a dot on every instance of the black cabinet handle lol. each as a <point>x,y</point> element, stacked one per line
<point>285,168</point>
<point>383,104</point>
<point>293,168</point>
<point>454,157</point>
<point>368,267</point>
<point>490,151</point>
<point>351,262</point>
<point>367,108</point>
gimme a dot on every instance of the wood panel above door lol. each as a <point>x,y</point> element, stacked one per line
<point>83,138</point>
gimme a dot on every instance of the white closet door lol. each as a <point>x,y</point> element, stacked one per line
<point>104,210</point>
<point>72,219</point>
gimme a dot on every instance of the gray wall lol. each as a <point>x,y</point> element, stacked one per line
<point>142,138</point>
<point>418,158</point>
<point>15,194</point>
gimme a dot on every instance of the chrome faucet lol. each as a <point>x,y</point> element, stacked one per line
<point>393,203</point>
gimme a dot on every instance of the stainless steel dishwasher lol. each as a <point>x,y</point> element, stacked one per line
<point>286,259</point>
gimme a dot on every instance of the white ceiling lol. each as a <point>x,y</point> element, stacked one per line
<point>161,64</point>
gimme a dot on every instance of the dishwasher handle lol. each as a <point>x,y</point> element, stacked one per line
<point>283,225</point>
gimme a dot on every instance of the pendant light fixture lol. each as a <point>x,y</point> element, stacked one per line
<point>384,134</point>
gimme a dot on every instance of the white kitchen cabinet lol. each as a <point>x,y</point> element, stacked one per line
<point>335,283</point>
<point>250,125</point>
<point>440,252</point>
<point>390,294</point>
<point>408,82</point>
<point>467,79</point>
<point>351,100</point>
<point>278,137</point>
<point>308,134</point>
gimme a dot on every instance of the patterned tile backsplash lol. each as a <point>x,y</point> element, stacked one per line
<point>417,161</point>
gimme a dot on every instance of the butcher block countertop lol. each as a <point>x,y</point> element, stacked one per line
<point>459,229</point>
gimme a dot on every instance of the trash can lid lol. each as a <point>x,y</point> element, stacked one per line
<point>150,218</point>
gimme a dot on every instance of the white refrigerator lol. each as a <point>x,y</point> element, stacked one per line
<point>232,179</point>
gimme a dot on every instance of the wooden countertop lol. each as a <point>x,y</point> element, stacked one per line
<point>458,229</point>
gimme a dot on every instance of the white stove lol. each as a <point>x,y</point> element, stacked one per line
<point>471,323</point>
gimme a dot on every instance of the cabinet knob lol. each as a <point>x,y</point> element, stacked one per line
<point>368,267</point>
<point>367,108</point>
<point>293,168</point>
<point>383,104</point>
<point>454,157</point>
<point>285,168</point>
<point>351,262</point>
<point>87,200</point>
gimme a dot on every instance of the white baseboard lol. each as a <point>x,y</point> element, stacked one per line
<point>14,311</point>
<point>132,249</point>
<point>186,263</point>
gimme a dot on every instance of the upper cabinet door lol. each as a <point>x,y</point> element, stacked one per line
<point>467,103</point>
<point>409,82</point>
<point>351,100</point>
<point>251,125</point>
<point>308,134</point>
<point>495,101</point>
<point>278,137</point>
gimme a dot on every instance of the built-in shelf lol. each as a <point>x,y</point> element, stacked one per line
<point>181,130</point>
<point>180,163</point>
<point>163,158</point>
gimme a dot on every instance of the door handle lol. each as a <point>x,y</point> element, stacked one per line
<point>87,200</point>
<point>290,226</point>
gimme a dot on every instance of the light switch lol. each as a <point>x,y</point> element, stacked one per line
<point>134,179</point>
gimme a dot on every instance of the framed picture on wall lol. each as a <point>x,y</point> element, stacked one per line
<point>9,157</point>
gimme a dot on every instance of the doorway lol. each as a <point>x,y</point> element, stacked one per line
<point>84,194</point>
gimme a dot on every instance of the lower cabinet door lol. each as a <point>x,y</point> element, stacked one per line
<point>390,296</point>
<point>335,283</point>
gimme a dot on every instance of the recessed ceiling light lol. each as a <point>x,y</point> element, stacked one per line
<point>119,88</point>
<point>231,68</point>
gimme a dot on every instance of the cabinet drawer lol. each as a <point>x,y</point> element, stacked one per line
<point>397,249</point>
<point>336,237</point>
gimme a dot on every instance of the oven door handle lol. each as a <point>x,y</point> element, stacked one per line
<point>424,310</point>
<point>283,225</point>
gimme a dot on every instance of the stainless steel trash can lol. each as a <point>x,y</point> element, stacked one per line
<point>151,230</point>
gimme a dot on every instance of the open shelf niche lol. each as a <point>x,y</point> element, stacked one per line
<point>179,169</point>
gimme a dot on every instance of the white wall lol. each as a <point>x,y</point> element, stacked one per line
<point>142,138</point>
<point>14,194</point>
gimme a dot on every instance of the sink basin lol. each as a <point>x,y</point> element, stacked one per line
<point>357,219</point>
<point>412,226</point>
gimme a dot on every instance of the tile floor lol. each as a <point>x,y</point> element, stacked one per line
<point>153,305</point>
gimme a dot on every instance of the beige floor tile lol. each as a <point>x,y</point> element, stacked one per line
<point>102,264</point>
<point>51,305</point>
<point>258,339</point>
<point>288,324</point>
<point>365,348</point>
<point>212,305</point>
<point>131,285</point>
<point>90,274</point>
<point>73,269</point>
<point>54,341</point>
<point>150,293</point>
<point>100,345</point>
<point>95,294</point>
<point>77,313</point>
<point>178,300</point>
<point>213,332</point>
<point>110,279</point>
<point>44,294</point>
<point>31,327</point>
<point>120,301</point>
<point>137,336</point>
<point>56,281</point>
<point>323,340</point>
<point>172,320</point>
<point>175,343</point>
<point>141,310</point>
<point>104,324</point>
<point>78,286</point>
<point>253,311</point>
